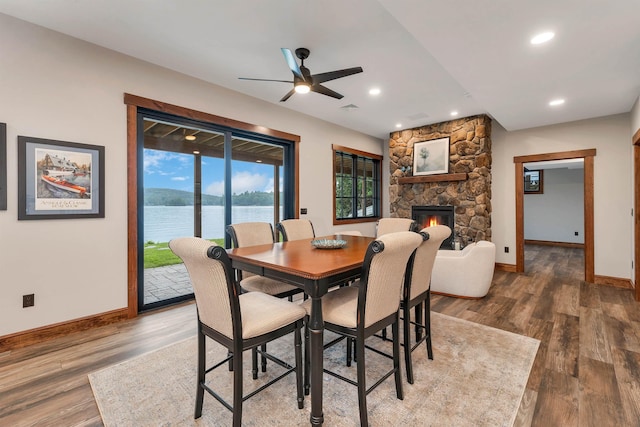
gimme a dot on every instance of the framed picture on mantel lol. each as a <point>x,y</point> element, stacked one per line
<point>431,157</point>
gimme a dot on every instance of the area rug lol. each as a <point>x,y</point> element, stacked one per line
<point>477,378</point>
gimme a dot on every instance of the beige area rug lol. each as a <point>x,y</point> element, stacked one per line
<point>477,378</point>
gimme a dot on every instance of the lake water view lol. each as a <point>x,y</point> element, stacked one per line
<point>163,223</point>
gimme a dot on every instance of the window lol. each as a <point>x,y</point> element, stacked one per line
<point>357,182</point>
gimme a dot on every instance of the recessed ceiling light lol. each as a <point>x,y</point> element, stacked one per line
<point>196,152</point>
<point>542,37</point>
<point>258,161</point>
<point>190,137</point>
<point>374,91</point>
<point>454,113</point>
<point>398,125</point>
<point>556,102</point>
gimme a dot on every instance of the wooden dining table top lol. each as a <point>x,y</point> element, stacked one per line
<point>302,259</point>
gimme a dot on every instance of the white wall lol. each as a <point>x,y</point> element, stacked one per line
<point>57,87</point>
<point>635,117</point>
<point>613,226</point>
<point>557,213</point>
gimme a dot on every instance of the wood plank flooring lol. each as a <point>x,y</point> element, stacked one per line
<point>586,372</point>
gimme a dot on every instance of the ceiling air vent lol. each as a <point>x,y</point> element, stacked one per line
<point>349,107</point>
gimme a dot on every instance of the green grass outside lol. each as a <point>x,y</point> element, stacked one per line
<point>159,254</point>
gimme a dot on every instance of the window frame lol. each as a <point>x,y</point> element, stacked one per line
<point>377,182</point>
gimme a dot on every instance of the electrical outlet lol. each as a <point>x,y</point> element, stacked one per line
<point>303,211</point>
<point>575,233</point>
<point>28,300</point>
<point>506,249</point>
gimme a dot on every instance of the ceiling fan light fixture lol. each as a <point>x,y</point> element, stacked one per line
<point>302,87</point>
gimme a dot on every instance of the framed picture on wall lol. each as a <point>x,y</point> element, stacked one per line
<point>59,180</point>
<point>431,157</point>
<point>533,181</point>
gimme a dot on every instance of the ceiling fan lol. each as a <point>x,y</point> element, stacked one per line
<point>303,81</point>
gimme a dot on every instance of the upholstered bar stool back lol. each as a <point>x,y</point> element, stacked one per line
<point>250,234</point>
<point>296,229</point>
<point>393,225</point>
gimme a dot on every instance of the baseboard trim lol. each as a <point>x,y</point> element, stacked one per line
<point>511,268</point>
<point>616,282</point>
<point>33,336</point>
<point>454,296</point>
<point>550,243</point>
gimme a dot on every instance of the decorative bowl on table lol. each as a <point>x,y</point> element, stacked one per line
<point>328,243</point>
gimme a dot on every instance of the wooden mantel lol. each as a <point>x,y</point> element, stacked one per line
<point>432,178</point>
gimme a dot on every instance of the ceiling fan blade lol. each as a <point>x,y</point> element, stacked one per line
<point>291,62</point>
<point>326,91</point>
<point>288,95</point>
<point>265,80</point>
<point>332,75</point>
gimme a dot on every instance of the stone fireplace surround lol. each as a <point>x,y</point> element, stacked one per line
<point>467,186</point>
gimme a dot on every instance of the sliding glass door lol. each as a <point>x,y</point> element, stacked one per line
<point>196,179</point>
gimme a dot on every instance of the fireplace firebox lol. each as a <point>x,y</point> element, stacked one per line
<point>428,216</point>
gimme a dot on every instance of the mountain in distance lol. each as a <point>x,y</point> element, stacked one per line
<point>171,197</point>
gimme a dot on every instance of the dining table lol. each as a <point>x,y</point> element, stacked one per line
<point>314,270</point>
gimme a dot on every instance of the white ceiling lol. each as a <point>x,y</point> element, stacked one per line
<point>427,57</point>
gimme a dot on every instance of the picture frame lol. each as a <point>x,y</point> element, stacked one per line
<point>533,181</point>
<point>431,157</point>
<point>3,166</point>
<point>59,180</point>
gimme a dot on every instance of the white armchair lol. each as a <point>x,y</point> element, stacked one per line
<point>466,273</point>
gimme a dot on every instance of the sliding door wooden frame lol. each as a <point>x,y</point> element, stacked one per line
<point>636,220</point>
<point>588,156</point>
<point>134,102</point>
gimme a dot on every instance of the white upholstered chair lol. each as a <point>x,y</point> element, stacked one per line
<point>466,273</point>
<point>393,225</point>
<point>295,229</point>
<point>416,293</point>
<point>357,312</point>
<point>237,321</point>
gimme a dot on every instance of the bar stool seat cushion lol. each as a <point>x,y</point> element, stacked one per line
<point>338,307</point>
<point>262,313</point>
<point>266,285</point>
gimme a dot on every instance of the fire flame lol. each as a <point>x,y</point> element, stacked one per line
<point>433,221</point>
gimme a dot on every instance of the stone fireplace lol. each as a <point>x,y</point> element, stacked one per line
<point>466,188</point>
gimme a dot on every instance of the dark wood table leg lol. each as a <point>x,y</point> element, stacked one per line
<point>316,329</point>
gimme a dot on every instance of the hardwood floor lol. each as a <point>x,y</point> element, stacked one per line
<point>586,372</point>
<point>587,369</point>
